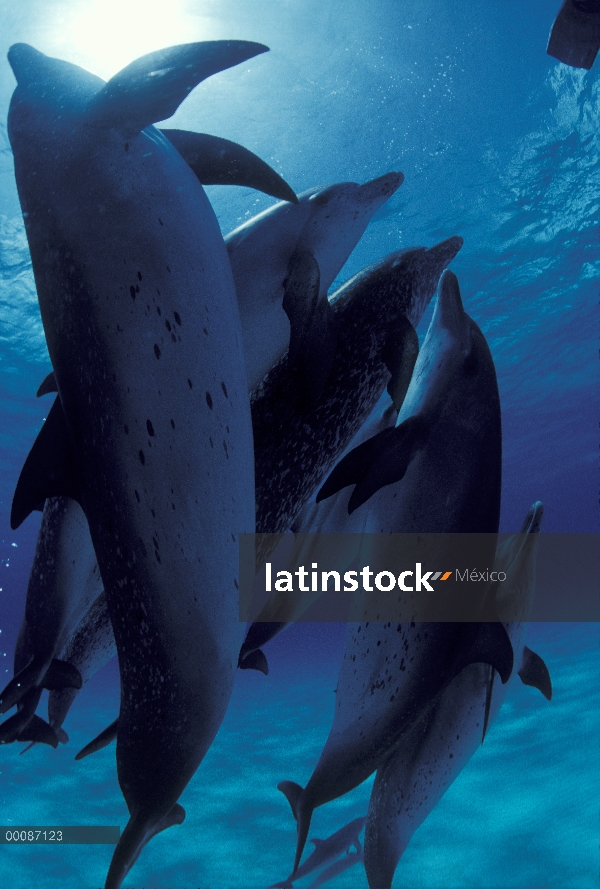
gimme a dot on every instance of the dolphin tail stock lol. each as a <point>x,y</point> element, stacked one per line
<point>255,660</point>
<point>106,737</point>
<point>218,161</point>
<point>377,462</point>
<point>136,97</point>
<point>575,36</point>
<point>139,830</point>
<point>313,330</point>
<point>294,794</point>
<point>48,470</point>
<point>533,671</point>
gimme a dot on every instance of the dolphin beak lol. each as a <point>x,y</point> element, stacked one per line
<point>444,252</point>
<point>449,313</point>
<point>25,62</point>
<point>533,519</point>
<point>377,191</point>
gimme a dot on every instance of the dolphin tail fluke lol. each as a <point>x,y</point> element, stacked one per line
<point>47,385</point>
<point>102,740</point>
<point>61,675</point>
<point>575,35</point>
<point>218,161</point>
<point>380,461</point>
<point>534,672</point>
<point>153,87</point>
<point>313,330</point>
<point>255,660</point>
<point>139,830</point>
<point>400,356</point>
<point>38,732</point>
<point>48,470</point>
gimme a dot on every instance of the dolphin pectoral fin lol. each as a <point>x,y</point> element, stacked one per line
<point>38,732</point>
<point>47,385</point>
<point>48,470</point>
<point>138,831</point>
<point>534,672</point>
<point>105,737</point>
<point>492,646</point>
<point>61,734</point>
<point>313,331</point>
<point>154,86</point>
<point>255,660</point>
<point>400,356</point>
<point>575,35</point>
<point>380,461</point>
<point>218,161</point>
<point>488,702</point>
<point>292,793</point>
<point>61,674</point>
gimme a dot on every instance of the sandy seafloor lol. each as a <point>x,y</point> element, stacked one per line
<point>498,143</point>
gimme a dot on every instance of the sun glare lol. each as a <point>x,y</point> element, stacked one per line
<point>105,35</point>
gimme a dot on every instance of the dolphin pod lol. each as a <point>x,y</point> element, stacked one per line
<point>435,750</point>
<point>445,449</point>
<point>206,387</point>
<point>142,285</point>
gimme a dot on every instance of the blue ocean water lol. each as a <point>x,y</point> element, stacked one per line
<point>498,143</point>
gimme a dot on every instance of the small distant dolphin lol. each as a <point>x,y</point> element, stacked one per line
<point>326,850</point>
<point>326,222</point>
<point>64,581</point>
<point>295,446</point>
<point>438,470</point>
<point>432,754</point>
<point>575,36</point>
<point>151,431</point>
<point>338,867</point>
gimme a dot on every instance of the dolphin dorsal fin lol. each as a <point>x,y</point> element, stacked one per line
<point>534,672</point>
<point>153,87</point>
<point>217,161</point>
<point>48,470</point>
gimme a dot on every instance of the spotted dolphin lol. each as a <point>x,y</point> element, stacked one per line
<point>295,447</point>
<point>327,850</point>
<point>151,431</point>
<point>438,470</point>
<point>63,583</point>
<point>432,754</point>
<point>328,223</point>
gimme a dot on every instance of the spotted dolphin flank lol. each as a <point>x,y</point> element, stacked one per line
<point>432,754</point>
<point>295,446</point>
<point>444,450</point>
<point>326,222</point>
<point>151,431</point>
